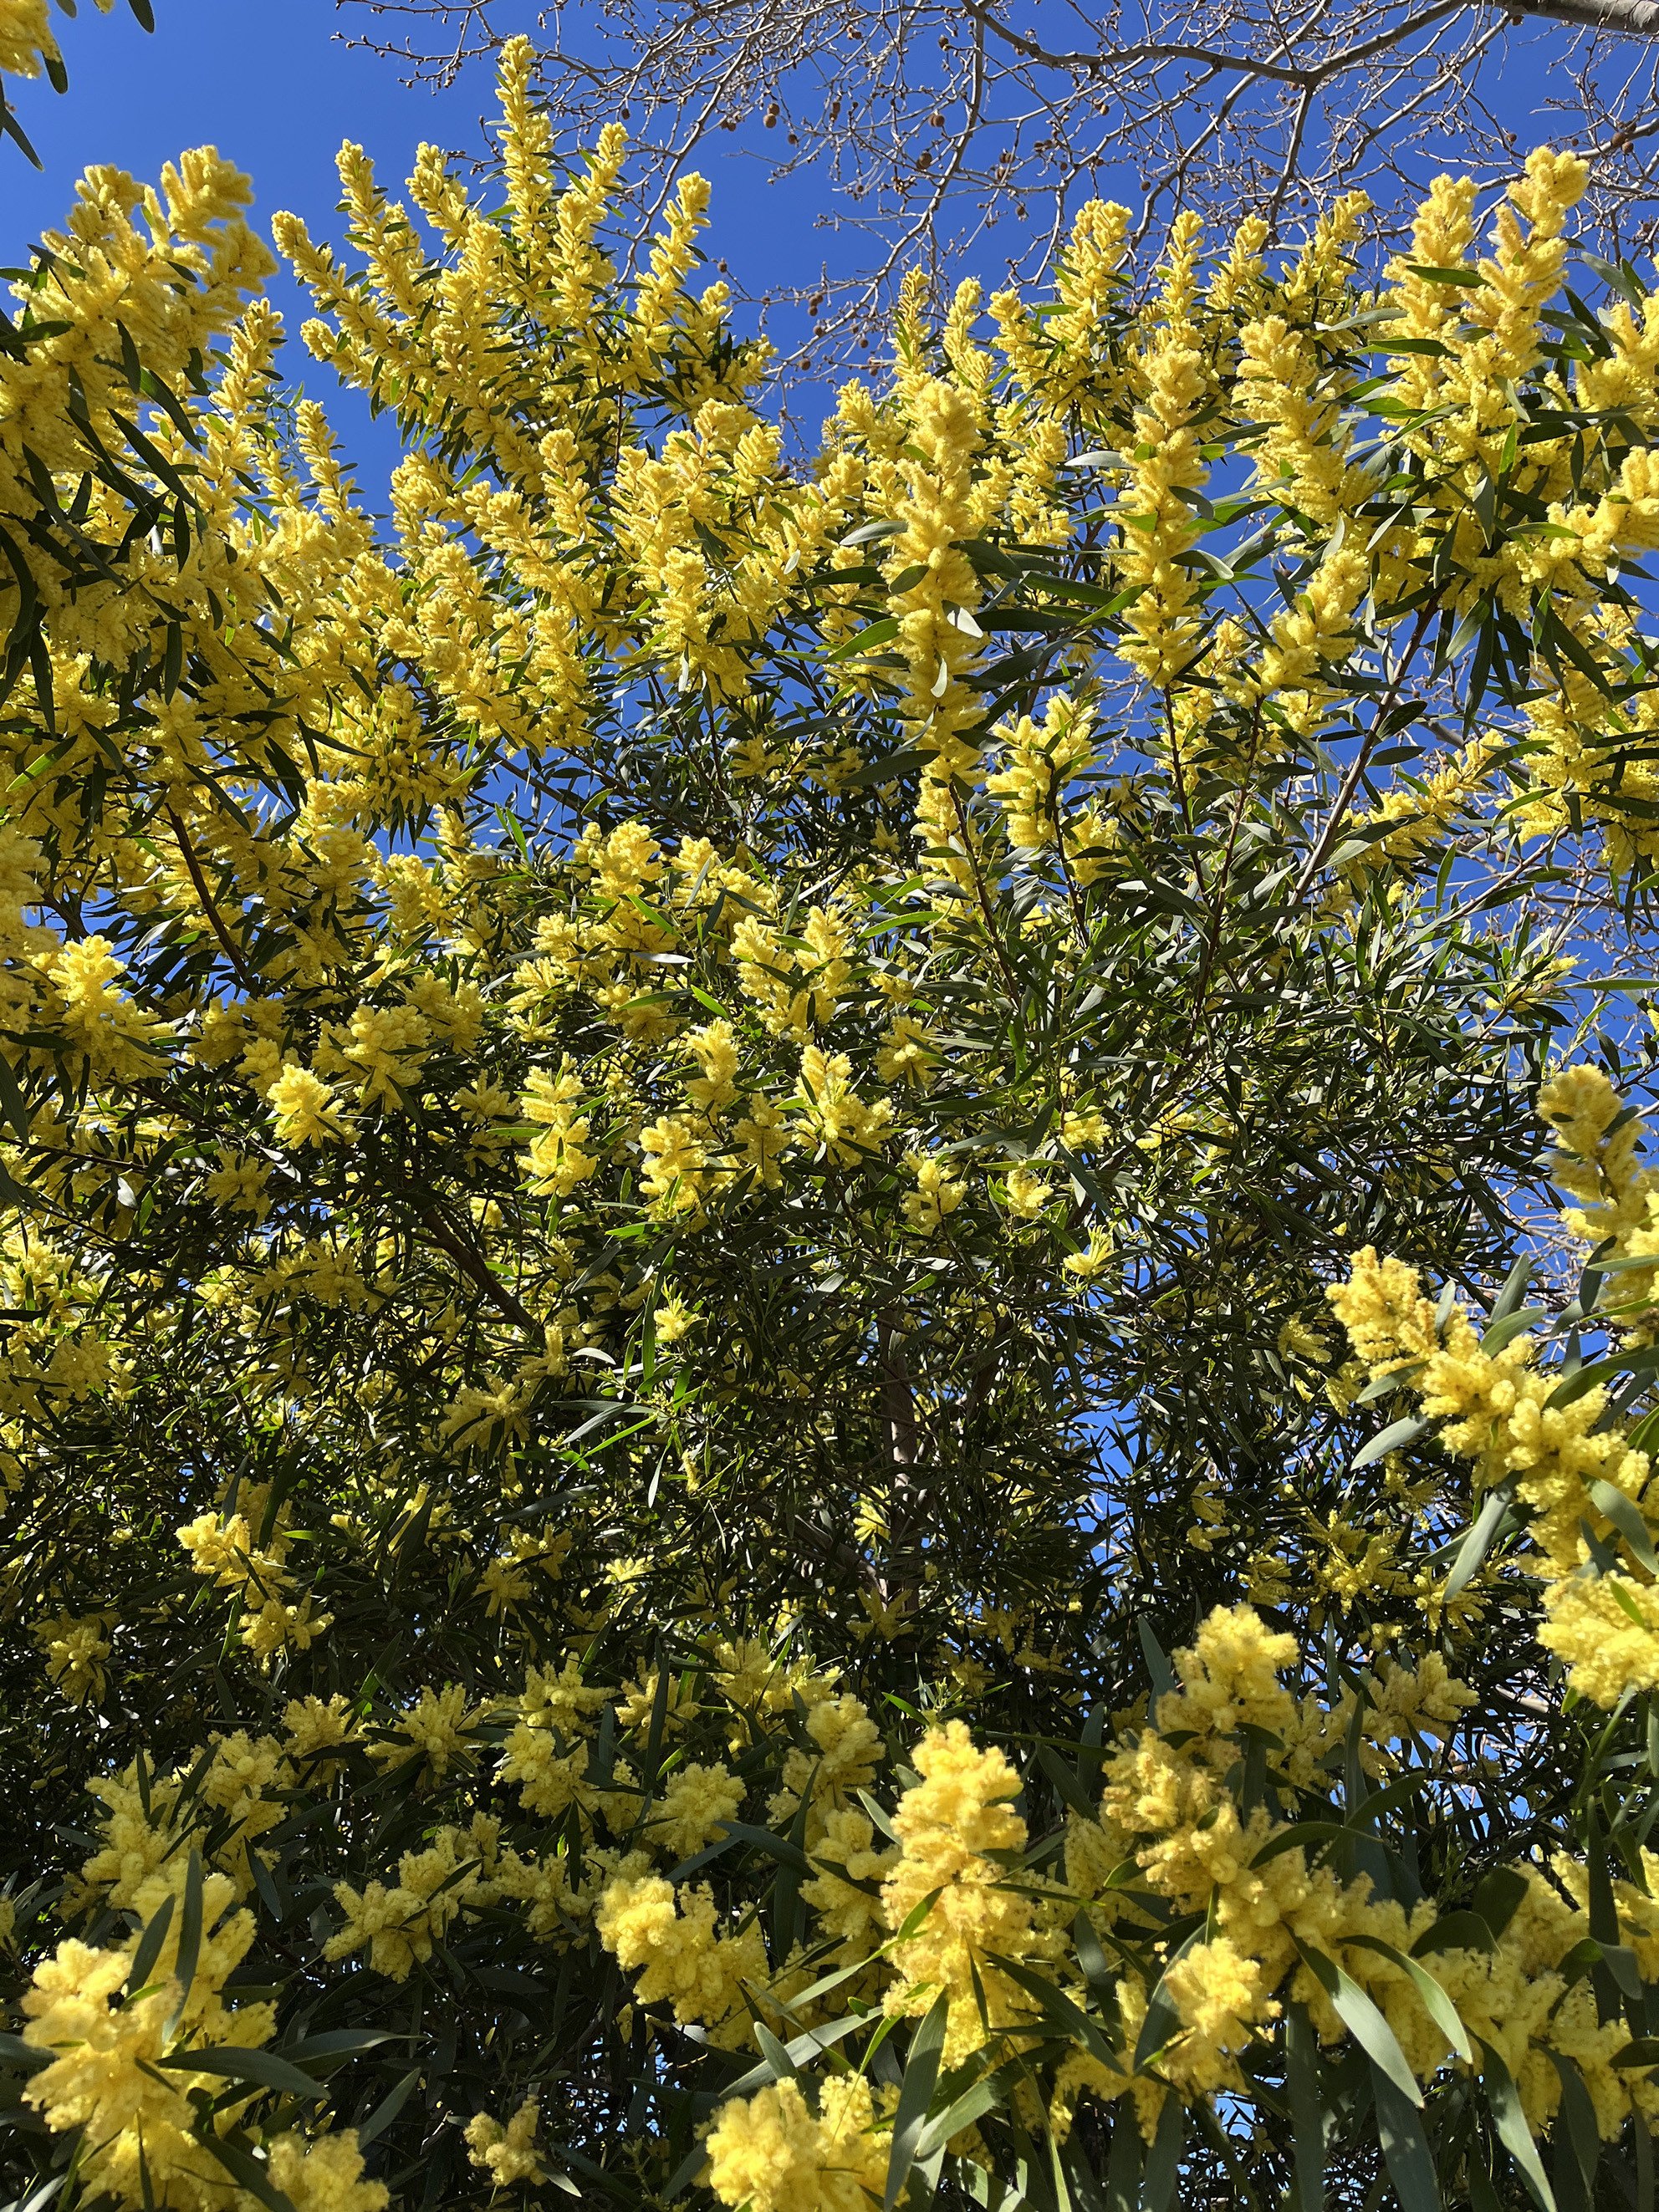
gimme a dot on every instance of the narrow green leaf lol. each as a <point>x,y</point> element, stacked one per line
<point>1405,2146</point>
<point>890,768</point>
<point>776,2057</point>
<point>336,2045</point>
<point>1578,2138</point>
<point>972,2106</point>
<point>1501,1333</point>
<point>1157,2180</point>
<point>915,2095</point>
<point>1161,2019</point>
<point>1511,2122</point>
<point>150,1946</point>
<point>1393,1438</point>
<point>1436,2002</point>
<point>1065,1781</point>
<point>248,2170</point>
<point>776,1847</point>
<point>1640,1360</point>
<point>1298,1837</point>
<point>914,1918</point>
<point>1307,2107</point>
<point>264,2068</point>
<point>1164,1684</point>
<point>1363,2021</point>
<point>190,1936</point>
<point>801,2050</point>
<point>1067,2016</point>
<point>269,1895</point>
<point>686,2171</point>
<point>1454,1931</point>
<point>1498,1896</point>
<point>15,1106</point>
<point>1470,277</point>
<point>1483,2197</point>
<point>1626,1516</point>
<point>879,633</point>
<point>1124,2161</point>
<point>1478,1541</point>
<point>1643,2160</point>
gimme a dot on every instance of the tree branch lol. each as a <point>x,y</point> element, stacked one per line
<point>1631,19</point>
<point>474,1264</point>
<point>232,950</point>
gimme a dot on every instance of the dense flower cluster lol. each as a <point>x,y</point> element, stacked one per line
<point>675,1129</point>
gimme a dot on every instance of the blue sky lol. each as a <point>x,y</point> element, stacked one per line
<point>274,86</point>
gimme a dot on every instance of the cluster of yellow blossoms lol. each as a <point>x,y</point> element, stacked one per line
<point>26,39</point>
<point>601,1080</point>
<point>943,1914</point>
<point>955,1911</point>
<point>1548,1437</point>
<point>120,2068</point>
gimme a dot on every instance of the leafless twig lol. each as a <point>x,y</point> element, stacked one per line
<point>934,122</point>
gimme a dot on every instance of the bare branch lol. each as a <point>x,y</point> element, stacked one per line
<point>1637,19</point>
<point>933,123</point>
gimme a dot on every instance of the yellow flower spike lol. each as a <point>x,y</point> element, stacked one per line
<point>507,2152</point>
<point>832,1112</point>
<point>1233,282</point>
<point>26,39</point>
<point>672,1939</point>
<point>736,1019</point>
<point>557,1161</point>
<point>938,635</point>
<point>1324,261</point>
<point>771,2154</point>
<point>1598,1164</point>
<point>1303,458</point>
<point>1157,523</point>
<point>75,1651</point>
<point>1497,1414</point>
<point>937,1195</point>
<point>1044,756</point>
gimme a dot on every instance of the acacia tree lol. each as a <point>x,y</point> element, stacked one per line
<point>946,132</point>
<point>685,1518</point>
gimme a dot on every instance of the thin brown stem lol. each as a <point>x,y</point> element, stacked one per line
<point>1328,836</point>
<point>473,1263</point>
<point>233,951</point>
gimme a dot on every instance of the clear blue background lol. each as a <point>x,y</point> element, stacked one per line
<point>274,86</point>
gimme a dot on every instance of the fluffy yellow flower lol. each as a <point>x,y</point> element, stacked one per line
<point>25,37</point>
<point>75,1651</point>
<point>436,1727</point>
<point>947,1826</point>
<point>671,1939</point>
<point>507,2153</point>
<point>675,1159</point>
<point>397,1923</point>
<point>103,2076</point>
<point>557,1162</point>
<point>910,1054</point>
<point>240,1184</point>
<point>771,2153</point>
<point>304,1111</point>
<point>936,1197</point>
<point>832,1111</point>
<point>697,1801</point>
